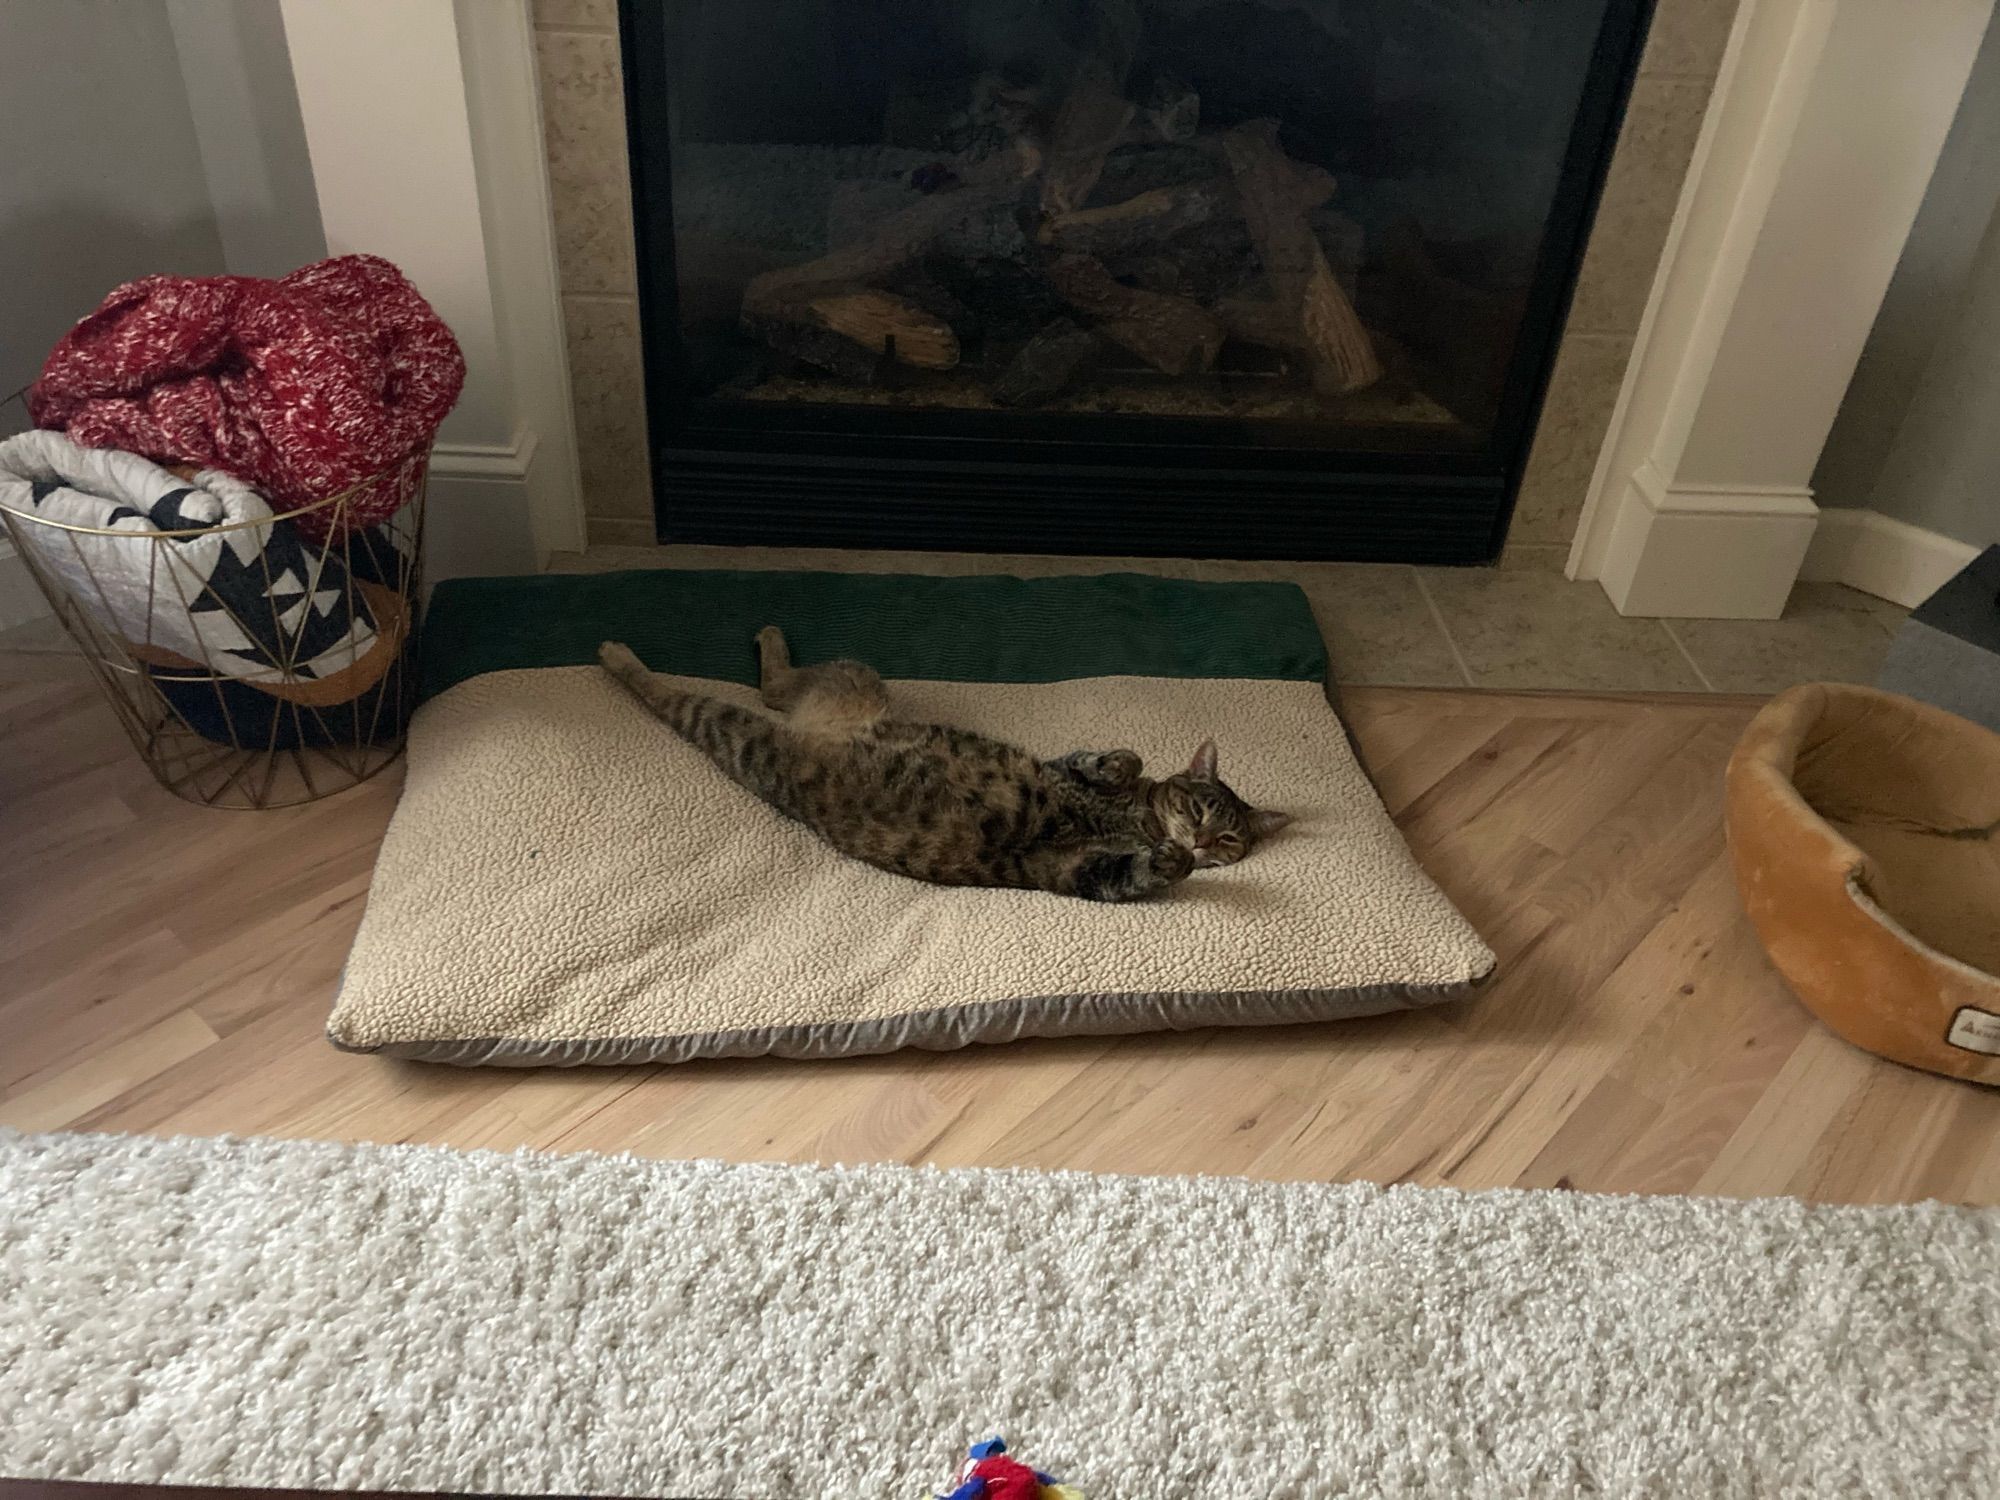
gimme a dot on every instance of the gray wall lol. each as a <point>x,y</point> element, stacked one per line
<point>137,136</point>
<point>100,175</point>
<point>1918,435</point>
<point>141,136</point>
<point>238,75</point>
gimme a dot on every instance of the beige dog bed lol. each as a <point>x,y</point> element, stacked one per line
<point>565,881</point>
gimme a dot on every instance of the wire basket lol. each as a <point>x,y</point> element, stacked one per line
<point>212,690</point>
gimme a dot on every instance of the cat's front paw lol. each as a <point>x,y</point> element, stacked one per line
<point>1167,862</point>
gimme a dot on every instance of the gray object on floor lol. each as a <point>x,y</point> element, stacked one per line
<point>310,1314</point>
<point>1948,651</point>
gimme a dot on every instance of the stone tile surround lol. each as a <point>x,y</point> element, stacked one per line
<point>583,118</point>
<point>1387,625</point>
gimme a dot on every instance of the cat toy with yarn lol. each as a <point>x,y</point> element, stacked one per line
<point>989,1474</point>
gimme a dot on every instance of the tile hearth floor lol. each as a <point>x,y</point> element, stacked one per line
<point>1518,627</point>
<point>1521,626</point>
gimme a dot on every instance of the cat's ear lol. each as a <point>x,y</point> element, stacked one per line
<point>1264,822</point>
<point>1202,767</point>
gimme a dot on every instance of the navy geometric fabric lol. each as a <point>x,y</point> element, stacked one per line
<point>197,569</point>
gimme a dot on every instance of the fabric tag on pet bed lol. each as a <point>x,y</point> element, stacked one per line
<point>566,881</point>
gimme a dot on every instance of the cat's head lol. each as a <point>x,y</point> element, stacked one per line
<point>1203,815</point>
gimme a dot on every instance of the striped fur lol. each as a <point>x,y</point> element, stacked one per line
<point>945,805</point>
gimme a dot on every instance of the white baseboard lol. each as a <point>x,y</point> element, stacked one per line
<point>481,508</point>
<point>506,461</point>
<point>1880,555</point>
<point>20,600</point>
<point>1703,551</point>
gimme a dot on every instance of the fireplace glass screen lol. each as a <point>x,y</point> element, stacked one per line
<point>1319,240</point>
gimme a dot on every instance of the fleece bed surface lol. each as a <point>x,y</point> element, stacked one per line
<point>565,881</point>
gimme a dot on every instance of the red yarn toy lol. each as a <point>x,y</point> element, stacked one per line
<point>1003,1478</point>
<point>989,1474</point>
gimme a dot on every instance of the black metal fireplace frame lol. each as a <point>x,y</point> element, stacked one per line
<point>792,474</point>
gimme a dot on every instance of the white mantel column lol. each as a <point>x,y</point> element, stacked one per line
<point>1826,120</point>
<point>424,128</point>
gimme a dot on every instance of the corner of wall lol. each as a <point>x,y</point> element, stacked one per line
<point>1701,499</point>
<point>236,67</point>
<point>1883,556</point>
<point>503,102</point>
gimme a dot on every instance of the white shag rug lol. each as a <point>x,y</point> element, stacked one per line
<point>251,1312</point>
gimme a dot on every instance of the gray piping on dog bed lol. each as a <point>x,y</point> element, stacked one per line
<point>942,1029</point>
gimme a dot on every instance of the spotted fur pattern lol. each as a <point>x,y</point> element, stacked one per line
<point>946,805</point>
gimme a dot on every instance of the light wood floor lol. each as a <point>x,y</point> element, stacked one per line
<point>168,969</point>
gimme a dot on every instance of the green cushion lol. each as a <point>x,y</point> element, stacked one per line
<point>995,629</point>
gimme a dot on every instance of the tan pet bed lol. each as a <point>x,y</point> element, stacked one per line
<point>565,881</point>
<point>1866,833</point>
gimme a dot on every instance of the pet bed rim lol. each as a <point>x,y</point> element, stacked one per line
<point>1860,870</point>
<point>1857,892</point>
<point>940,1029</point>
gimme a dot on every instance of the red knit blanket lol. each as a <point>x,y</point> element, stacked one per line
<point>302,386</point>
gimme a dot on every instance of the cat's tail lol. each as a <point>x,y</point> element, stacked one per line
<point>721,731</point>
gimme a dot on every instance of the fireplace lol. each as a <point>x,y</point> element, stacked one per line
<point>1227,278</point>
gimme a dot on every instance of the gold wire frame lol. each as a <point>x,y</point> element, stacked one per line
<point>256,749</point>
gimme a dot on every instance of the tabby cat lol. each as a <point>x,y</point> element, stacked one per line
<point>946,805</point>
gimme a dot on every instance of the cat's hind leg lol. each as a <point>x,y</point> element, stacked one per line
<point>1105,768</point>
<point>774,664</point>
<point>721,731</point>
<point>839,698</point>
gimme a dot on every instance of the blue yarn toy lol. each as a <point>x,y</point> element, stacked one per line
<point>989,1474</point>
